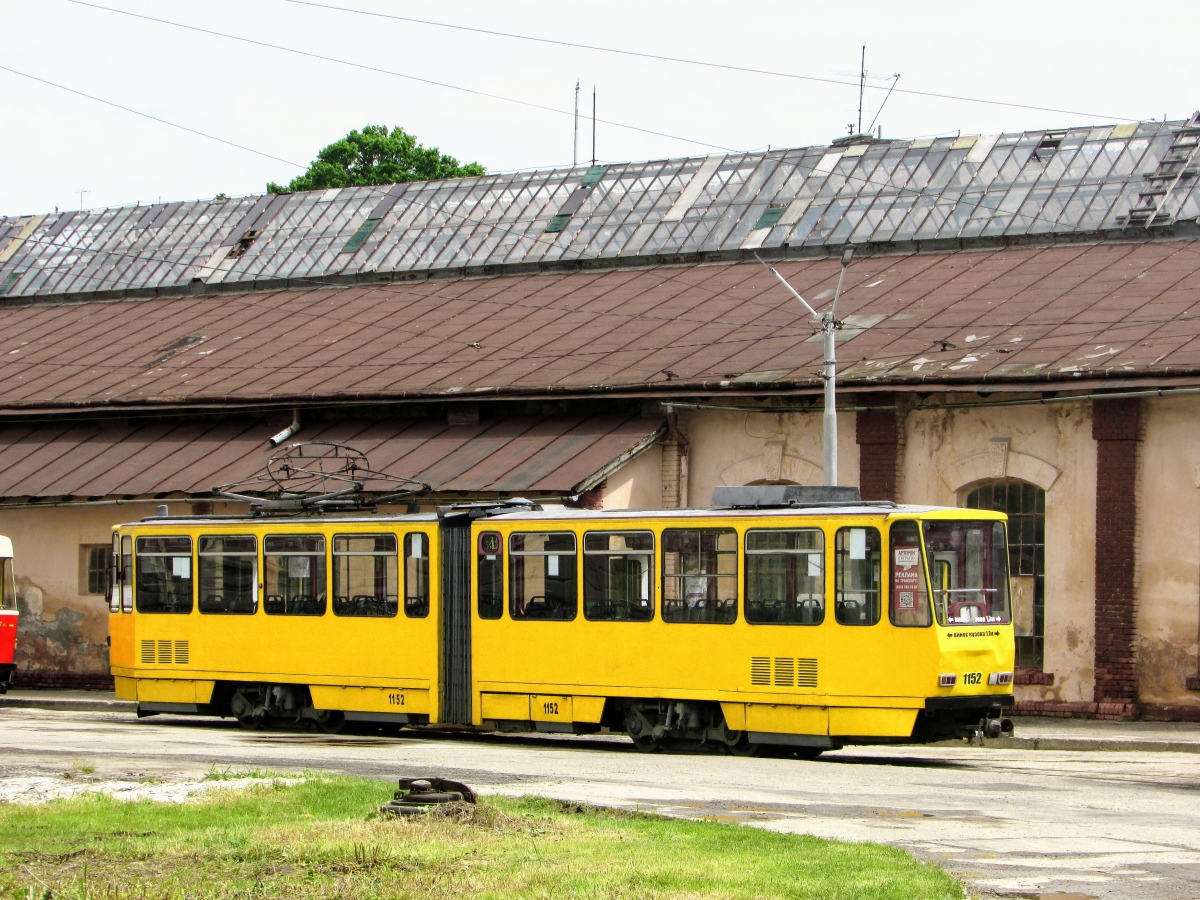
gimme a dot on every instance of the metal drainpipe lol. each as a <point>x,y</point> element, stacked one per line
<point>682,443</point>
<point>287,432</point>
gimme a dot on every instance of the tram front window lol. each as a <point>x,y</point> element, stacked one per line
<point>968,563</point>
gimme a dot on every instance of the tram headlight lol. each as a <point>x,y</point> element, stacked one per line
<point>1000,678</point>
<point>947,680</point>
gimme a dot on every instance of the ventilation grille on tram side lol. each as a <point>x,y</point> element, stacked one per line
<point>165,653</point>
<point>783,671</point>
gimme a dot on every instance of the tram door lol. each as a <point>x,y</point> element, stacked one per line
<point>456,618</point>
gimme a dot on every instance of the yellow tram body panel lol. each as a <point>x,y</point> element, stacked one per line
<point>379,664</point>
<point>859,681</point>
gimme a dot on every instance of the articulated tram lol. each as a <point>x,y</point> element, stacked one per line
<point>762,621</point>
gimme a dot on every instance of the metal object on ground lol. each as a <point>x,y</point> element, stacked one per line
<point>418,795</point>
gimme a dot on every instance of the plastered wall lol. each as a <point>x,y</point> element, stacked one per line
<point>948,451</point>
<point>1168,550</point>
<point>737,447</point>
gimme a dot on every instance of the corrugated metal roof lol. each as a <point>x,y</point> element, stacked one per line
<point>563,454</point>
<point>1055,313</point>
<point>1077,180</point>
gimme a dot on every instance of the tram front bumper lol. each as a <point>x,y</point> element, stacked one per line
<point>945,718</point>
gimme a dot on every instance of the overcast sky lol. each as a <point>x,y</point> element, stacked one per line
<point>1096,62</point>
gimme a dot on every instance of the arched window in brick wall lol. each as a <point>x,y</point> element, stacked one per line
<point>1025,504</point>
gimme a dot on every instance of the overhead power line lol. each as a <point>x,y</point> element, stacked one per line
<point>707,64</point>
<point>159,119</point>
<point>408,77</point>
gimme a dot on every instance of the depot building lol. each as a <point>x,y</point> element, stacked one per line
<point>1017,332</point>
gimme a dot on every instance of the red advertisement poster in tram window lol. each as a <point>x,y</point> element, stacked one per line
<point>906,577</point>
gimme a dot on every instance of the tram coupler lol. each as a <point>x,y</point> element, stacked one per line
<point>994,728</point>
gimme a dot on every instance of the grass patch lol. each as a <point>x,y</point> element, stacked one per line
<point>322,839</point>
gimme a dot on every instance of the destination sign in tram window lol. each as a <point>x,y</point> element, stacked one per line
<point>785,577</point>
<point>229,574</point>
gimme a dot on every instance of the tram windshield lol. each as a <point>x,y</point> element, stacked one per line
<point>968,567</point>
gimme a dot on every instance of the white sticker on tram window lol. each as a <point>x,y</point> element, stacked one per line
<point>814,565</point>
<point>552,566</point>
<point>858,543</point>
<point>907,557</point>
<point>418,546</point>
<point>181,566</point>
<point>297,566</point>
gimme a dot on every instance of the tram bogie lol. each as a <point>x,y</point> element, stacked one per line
<point>783,630</point>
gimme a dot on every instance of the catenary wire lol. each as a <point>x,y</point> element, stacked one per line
<point>705,63</point>
<point>395,74</point>
<point>159,119</point>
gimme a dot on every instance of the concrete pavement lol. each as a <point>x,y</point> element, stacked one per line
<point>1009,823</point>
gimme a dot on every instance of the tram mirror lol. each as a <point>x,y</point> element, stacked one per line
<point>858,543</point>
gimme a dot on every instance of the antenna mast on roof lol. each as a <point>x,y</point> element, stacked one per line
<point>862,83</point>
<point>575,144</point>
<point>829,327</point>
<point>593,125</point>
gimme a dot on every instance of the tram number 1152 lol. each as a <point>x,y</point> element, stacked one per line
<point>395,699</point>
<point>973,678</point>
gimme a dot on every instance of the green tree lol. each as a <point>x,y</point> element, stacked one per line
<point>376,156</point>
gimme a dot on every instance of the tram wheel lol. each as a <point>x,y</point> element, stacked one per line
<point>251,723</point>
<point>330,721</point>
<point>646,744</point>
<point>743,746</point>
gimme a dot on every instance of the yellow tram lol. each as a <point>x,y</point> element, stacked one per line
<point>776,617</point>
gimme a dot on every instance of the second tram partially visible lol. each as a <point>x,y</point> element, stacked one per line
<point>738,626</point>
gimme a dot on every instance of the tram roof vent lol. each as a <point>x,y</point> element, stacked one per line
<point>758,496</point>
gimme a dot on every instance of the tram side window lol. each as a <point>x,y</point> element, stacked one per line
<point>857,575</point>
<point>785,577</point>
<point>228,574</point>
<point>114,575</point>
<point>909,605</point>
<point>365,581</point>
<point>491,575</point>
<point>164,574</point>
<point>295,574</point>
<point>700,575</point>
<point>416,575</point>
<point>542,572</point>
<point>127,574</point>
<point>618,576</point>
<point>8,593</point>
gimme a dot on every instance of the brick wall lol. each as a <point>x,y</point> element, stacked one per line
<point>877,432</point>
<point>1115,429</point>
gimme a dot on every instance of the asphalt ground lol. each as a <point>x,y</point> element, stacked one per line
<point>1008,822</point>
